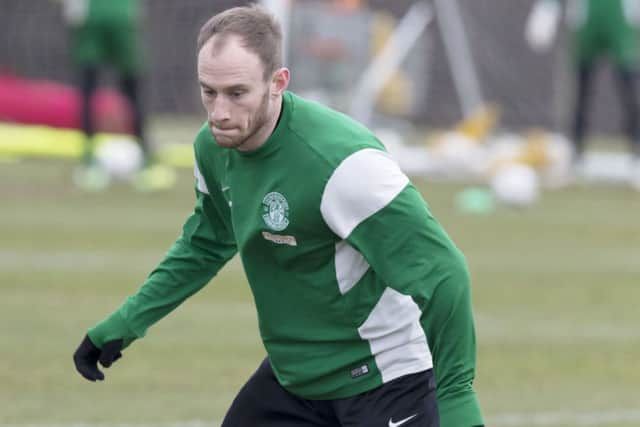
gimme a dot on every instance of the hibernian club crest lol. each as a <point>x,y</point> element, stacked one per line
<point>275,211</point>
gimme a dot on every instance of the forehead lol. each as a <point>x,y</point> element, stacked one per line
<point>224,61</point>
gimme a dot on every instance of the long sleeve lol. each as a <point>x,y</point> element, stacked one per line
<point>370,203</point>
<point>204,246</point>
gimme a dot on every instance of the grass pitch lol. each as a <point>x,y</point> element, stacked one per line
<point>556,291</point>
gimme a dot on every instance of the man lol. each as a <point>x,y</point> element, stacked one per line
<point>601,29</point>
<point>361,295</point>
<point>107,34</point>
<point>606,28</point>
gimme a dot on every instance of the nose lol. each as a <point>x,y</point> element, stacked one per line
<point>219,110</point>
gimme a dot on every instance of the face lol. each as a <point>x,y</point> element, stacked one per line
<point>242,107</point>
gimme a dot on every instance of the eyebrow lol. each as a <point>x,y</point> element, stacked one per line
<point>239,86</point>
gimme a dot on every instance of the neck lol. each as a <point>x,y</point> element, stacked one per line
<point>261,135</point>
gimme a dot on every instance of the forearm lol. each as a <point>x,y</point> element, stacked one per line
<point>448,322</point>
<point>203,248</point>
<point>177,277</point>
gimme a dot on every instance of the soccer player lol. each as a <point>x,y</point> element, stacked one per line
<point>107,34</point>
<point>605,29</point>
<point>364,302</point>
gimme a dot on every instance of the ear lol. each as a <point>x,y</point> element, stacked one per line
<point>280,81</point>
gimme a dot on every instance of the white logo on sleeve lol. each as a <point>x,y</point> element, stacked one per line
<point>401,422</point>
<point>275,211</point>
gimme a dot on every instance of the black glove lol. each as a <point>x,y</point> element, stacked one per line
<point>87,356</point>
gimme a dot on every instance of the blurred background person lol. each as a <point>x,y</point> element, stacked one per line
<point>107,35</point>
<point>599,30</point>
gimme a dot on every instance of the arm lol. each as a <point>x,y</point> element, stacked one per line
<point>204,246</point>
<point>377,210</point>
<point>74,11</point>
<point>198,254</point>
<point>542,24</point>
<point>632,13</point>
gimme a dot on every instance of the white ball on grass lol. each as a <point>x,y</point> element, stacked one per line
<point>516,185</point>
<point>121,158</point>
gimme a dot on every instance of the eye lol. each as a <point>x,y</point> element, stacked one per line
<point>237,94</point>
<point>208,92</point>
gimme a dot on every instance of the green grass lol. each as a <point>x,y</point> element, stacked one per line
<point>556,291</point>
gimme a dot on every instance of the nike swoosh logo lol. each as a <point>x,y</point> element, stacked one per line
<point>399,423</point>
<point>225,188</point>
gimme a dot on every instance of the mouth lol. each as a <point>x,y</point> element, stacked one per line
<point>220,130</point>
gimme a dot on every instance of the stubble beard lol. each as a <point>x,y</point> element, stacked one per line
<point>258,121</point>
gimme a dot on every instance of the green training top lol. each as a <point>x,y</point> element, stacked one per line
<point>113,11</point>
<point>605,27</point>
<point>106,32</point>
<point>354,281</point>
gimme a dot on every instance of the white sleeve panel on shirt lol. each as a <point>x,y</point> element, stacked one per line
<point>365,182</point>
<point>200,184</point>
<point>350,266</point>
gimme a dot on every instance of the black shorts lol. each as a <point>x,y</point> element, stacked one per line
<point>408,401</point>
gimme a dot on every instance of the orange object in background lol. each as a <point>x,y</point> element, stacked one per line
<point>348,5</point>
<point>50,103</point>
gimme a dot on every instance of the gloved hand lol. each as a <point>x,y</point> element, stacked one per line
<point>87,356</point>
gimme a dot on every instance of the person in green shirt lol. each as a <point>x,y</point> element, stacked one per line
<point>599,30</point>
<point>606,29</point>
<point>107,34</point>
<point>363,300</point>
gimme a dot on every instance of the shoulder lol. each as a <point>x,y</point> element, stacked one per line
<point>359,176</point>
<point>332,135</point>
<point>362,184</point>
